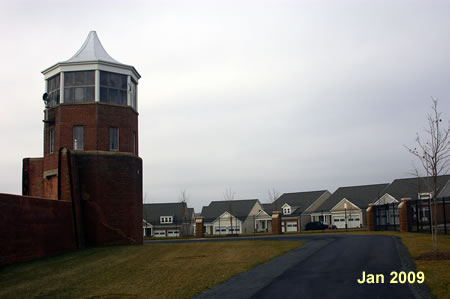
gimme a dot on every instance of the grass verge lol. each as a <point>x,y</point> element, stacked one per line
<point>177,270</point>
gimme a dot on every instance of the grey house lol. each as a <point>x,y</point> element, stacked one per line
<point>168,220</point>
<point>414,188</point>
<point>296,208</point>
<point>347,205</point>
<point>235,217</point>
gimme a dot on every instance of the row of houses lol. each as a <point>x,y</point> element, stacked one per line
<point>345,208</point>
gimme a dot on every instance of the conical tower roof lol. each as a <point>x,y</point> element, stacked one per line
<point>91,56</point>
<point>92,50</point>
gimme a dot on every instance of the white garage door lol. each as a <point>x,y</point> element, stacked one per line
<point>291,226</point>
<point>173,233</point>
<point>339,221</point>
<point>354,221</point>
<point>160,233</point>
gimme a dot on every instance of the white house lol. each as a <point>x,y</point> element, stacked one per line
<point>347,205</point>
<point>235,217</point>
<point>296,208</point>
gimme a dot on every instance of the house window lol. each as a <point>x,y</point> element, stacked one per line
<point>166,219</point>
<point>78,137</point>
<point>287,210</point>
<point>113,139</point>
<point>51,141</point>
<point>79,87</point>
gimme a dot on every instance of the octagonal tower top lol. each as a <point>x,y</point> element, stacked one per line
<point>91,75</point>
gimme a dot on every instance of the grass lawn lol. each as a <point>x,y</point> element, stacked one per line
<point>176,270</point>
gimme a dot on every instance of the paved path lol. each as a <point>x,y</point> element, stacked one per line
<point>328,266</point>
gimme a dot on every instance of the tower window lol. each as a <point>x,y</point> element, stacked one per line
<point>78,137</point>
<point>113,88</point>
<point>113,139</point>
<point>132,89</point>
<point>134,143</point>
<point>79,87</point>
<point>51,141</point>
<point>53,90</point>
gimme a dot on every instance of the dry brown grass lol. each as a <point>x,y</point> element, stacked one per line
<point>177,270</point>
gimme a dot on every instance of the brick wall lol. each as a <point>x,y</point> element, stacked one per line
<point>110,187</point>
<point>96,118</point>
<point>32,177</point>
<point>32,227</point>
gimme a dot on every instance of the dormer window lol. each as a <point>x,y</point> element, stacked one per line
<point>425,195</point>
<point>286,209</point>
<point>166,219</point>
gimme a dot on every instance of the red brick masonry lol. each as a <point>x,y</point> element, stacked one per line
<point>276,222</point>
<point>32,227</point>
<point>199,227</point>
<point>100,203</point>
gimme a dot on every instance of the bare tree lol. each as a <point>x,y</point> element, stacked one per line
<point>184,198</point>
<point>228,195</point>
<point>273,196</point>
<point>433,152</point>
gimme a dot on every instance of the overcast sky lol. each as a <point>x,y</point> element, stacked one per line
<point>247,95</point>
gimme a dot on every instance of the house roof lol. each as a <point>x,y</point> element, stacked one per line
<point>178,210</point>
<point>268,207</point>
<point>238,208</point>
<point>410,187</point>
<point>299,201</point>
<point>445,191</point>
<point>361,196</point>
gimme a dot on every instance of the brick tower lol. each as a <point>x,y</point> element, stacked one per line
<point>91,145</point>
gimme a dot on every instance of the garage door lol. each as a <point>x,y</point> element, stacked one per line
<point>160,233</point>
<point>173,233</point>
<point>291,226</point>
<point>353,222</point>
<point>339,221</point>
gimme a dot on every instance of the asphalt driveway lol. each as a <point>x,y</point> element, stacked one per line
<point>328,266</point>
